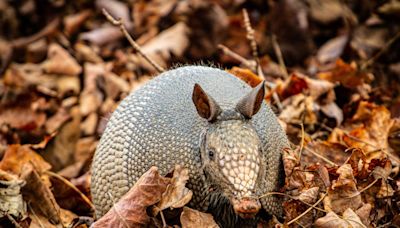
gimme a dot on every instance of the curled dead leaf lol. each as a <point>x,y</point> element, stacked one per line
<point>343,193</point>
<point>246,75</point>
<point>17,155</point>
<point>130,210</point>
<point>37,192</point>
<point>60,62</point>
<point>332,220</point>
<point>176,195</point>
<point>194,218</point>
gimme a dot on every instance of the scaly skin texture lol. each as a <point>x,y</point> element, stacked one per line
<point>158,125</point>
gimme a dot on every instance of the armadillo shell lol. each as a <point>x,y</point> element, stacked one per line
<point>158,125</point>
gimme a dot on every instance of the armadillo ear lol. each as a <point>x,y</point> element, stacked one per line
<point>205,105</point>
<point>250,104</point>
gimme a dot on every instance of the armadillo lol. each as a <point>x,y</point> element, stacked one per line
<point>210,122</point>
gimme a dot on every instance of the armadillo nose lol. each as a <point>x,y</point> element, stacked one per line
<point>246,207</point>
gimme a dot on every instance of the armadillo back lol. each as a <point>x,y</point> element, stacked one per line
<point>158,125</point>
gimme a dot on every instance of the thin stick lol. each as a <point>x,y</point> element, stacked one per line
<point>35,215</point>
<point>318,155</point>
<point>362,190</point>
<point>118,22</point>
<point>163,219</point>
<point>279,55</point>
<point>232,54</point>
<point>322,157</point>
<point>365,142</point>
<point>291,197</point>
<point>306,211</point>
<point>67,182</point>
<point>381,52</point>
<point>253,44</point>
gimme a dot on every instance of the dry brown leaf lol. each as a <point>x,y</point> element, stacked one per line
<point>171,42</point>
<point>176,195</point>
<point>117,9</point>
<point>85,148</point>
<point>290,161</point>
<point>60,150</point>
<point>385,189</point>
<point>373,133</point>
<point>86,53</point>
<point>246,75</point>
<point>347,74</point>
<point>328,11</point>
<point>68,196</point>
<point>364,212</point>
<point>212,29</point>
<point>37,192</point>
<point>88,126</point>
<point>18,155</point>
<point>332,220</point>
<point>299,109</point>
<point>332,49</point>
<point>23,118</point>
<point>343,193</point>
<point>333,111</point>
<point>194,218</point>
<point>60,62</point>
<point>101,36</point>
<point>130,210</point>
<point>58,119</point>
<point>359,164</point>
<point>115,85</point>
<point>309,195</point>
<point>334,152</point>
<point>368,39</point>
<point>73,22</point>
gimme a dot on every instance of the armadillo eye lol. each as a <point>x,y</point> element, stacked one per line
<point>211,154</point>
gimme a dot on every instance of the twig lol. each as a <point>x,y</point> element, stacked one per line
<point>249,64</point>
<point>71,186</point>
<point>380,52</point>
<point>365,142</point>
<point>322,157</point>
<point>306,211</point>
<point>294,198</point>
<point>278,54</point>
<point>362,190</point>
<point>318,155</point>
<point>118,22</point>
<point>35,215</point>
<point>163,219</point>
<point>253,44</point>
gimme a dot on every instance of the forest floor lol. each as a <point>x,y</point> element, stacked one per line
<point>333,77</point>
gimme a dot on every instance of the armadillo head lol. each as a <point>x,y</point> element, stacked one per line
<point>231,149</point>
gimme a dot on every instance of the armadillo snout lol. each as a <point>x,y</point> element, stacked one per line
<point>246,207</point>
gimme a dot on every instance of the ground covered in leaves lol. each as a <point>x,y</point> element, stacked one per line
<point>333,76</point>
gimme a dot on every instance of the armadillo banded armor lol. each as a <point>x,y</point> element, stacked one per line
<point>158,125</point>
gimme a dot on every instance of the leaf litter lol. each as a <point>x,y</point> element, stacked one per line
<point>332,77</point>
